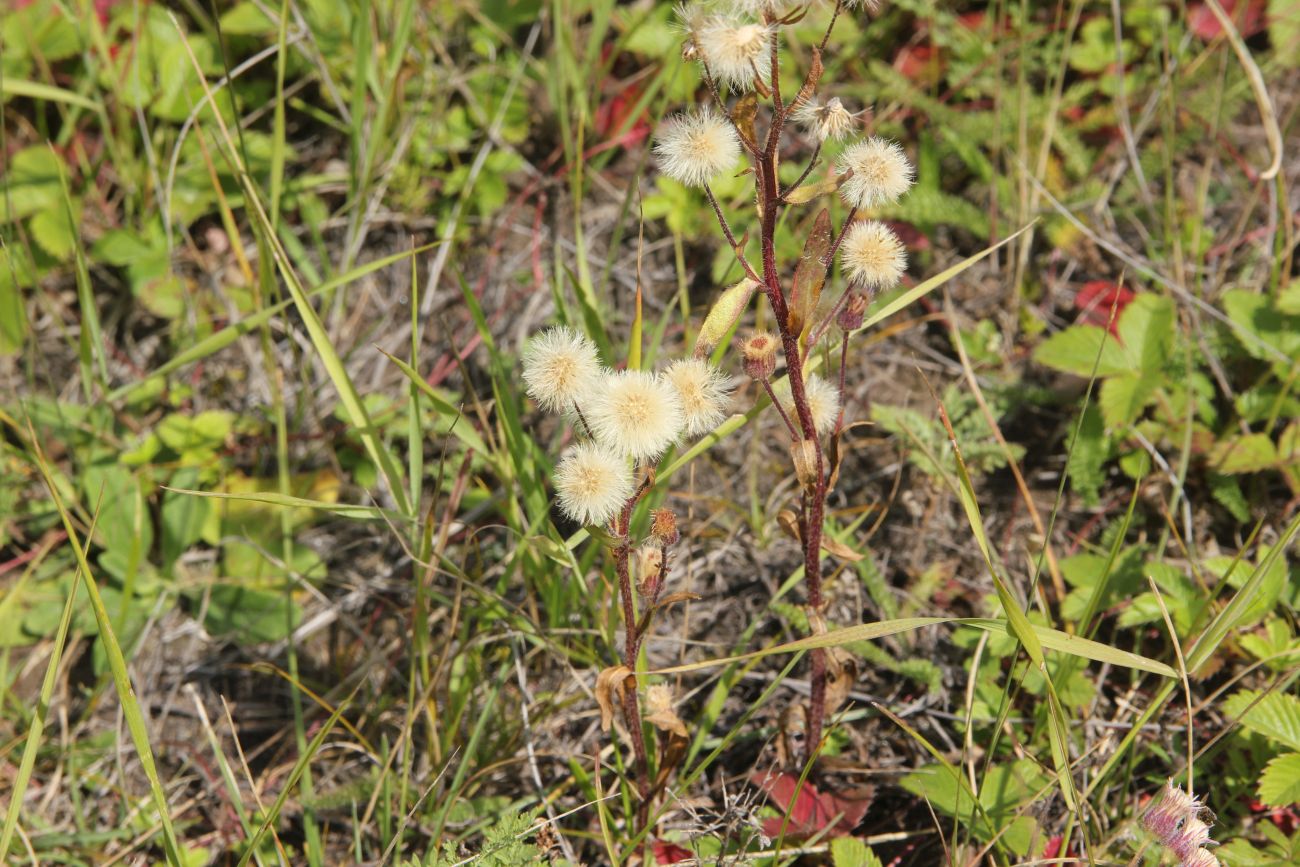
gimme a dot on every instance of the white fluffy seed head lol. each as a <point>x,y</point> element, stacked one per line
<point>592,483</point>
<point>830,120</point>
<point>635,413</point>
<point>561,367</point>
<point>823,402</point>
<point>881,173</point>
<point>736,52</point>
<point>695,147</point>
<point>703,391</point>
<point>872,255</point>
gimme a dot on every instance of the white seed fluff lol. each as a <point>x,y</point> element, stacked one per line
<point>881,173</point>
<point>735,52</point>
<point>561,367</point>
<point>825,121</point>
<point>872,255</point>
<point>703,391</point>
<point>592,483</point>
<point>635,413</point>
<point>823,402</point>
<point>693,148</point>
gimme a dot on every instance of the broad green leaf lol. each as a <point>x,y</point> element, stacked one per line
<point>1122,398</point>
<point>249,614</point>
<point>1284,33</point>
<point>1146,329</point>
<point>1275,716</point>
<point>1081,349</point>
<point>1250,453</point>
<point>1088,450</point>
<point>31,184</point>
<point>1279,785</point>
<point>852,852</point>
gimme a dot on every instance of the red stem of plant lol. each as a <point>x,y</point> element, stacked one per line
<point>631,648</point>
<point>769,191</point>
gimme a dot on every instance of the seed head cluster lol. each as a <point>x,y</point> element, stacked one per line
<point>880,173</point>
<point>823,402</point>
<point>592,482</point>
<point>561,366</point>
<point>872,255</point>
<point>696,147</point>
<point>635,413</point>
<point>829,120</point>
<point>736,53</point>
<point>1174,820</point>
<point>624,416</point>
<point>702,390</point>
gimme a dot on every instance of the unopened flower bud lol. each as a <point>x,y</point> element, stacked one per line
<point>804,455</point>
<point>850,316</point>
<point>649,566</point>
<point>663,527</point>
<point>759,353</point>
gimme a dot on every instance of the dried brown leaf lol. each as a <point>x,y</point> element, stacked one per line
<point>610,684</point>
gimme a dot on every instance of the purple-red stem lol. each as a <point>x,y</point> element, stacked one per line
<point>632,636</point>
<point>814,504</point>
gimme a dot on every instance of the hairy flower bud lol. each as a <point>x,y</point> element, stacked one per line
<point>850,316</point>
<point>759,353</point>
<point>649,570</point>
<point>663,527</point>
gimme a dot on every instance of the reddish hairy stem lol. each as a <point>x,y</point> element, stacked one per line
<point>769,193</point>
<point>631,648</point>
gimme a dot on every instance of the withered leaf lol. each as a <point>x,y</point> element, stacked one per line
<point>743,114</point>
<point>610,684</point>
<point>789,523</point>
<point>841,674</point>
<point>810,273</point>
<point>674,598</point>
<point>839,549</point>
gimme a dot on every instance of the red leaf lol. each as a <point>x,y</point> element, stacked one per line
<point>919,62</point>
<point>669,853</point>
<point>810,811</point>
<point>1095,299</point>
<point>1251,20</point>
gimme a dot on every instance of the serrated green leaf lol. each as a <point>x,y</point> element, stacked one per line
<point>1080,348</point>
<point>852,852</point>
<point>1284,32</point>
<point>1122,398</point>
<point>1146,328</point>
<point>1279,785</point>
<point>1227,493</point>
<point>1275,716</point>
<point>31,184</point>
<point>1251,453</point>
<point>1087,454</point>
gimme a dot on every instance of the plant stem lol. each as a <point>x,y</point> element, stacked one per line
<point>769,192</point>
<point>631,648</point>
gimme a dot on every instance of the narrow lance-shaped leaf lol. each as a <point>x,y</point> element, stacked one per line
<point>810,272</point>
<point>724,313</point>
